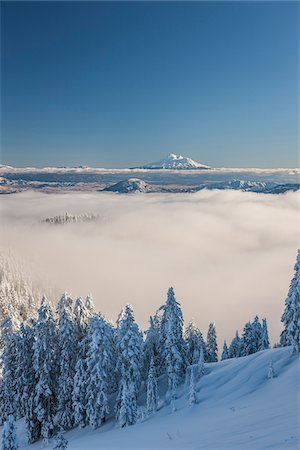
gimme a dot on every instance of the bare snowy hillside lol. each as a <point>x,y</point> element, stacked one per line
<point>238,408</point>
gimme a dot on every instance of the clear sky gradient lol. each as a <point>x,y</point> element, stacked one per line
<point>117,84</point>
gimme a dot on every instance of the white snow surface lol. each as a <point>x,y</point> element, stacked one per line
<point>238,408</point>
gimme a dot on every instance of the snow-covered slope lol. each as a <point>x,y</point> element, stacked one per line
<point>238,408</point>
<point>128,186</point>
<point>176,162</point>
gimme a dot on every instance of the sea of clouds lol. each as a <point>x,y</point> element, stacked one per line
<point>228,254</point>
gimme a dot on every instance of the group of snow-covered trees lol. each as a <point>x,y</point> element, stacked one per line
<point>72,367</point>
<point>255,337</point>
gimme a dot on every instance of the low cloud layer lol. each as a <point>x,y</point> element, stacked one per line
<point>229,255</point>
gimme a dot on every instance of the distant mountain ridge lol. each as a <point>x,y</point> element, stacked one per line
<point>175,162</point>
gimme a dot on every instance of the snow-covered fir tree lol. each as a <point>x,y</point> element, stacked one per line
<point>28,381</point>
<point>225,352</point>
<point>211,344</point>
<point>200,364</point>
<point>235,348</point>
<point>99,367</point>
<point>127,412</point>
<point>291,314</point>
<point>45,366</point>
<point>271,372</point>
<point>129,366</point>
<point>151,347</point>
<point>67,354</point>
<point>194,342</point>
<point>79,396</point>
<point>61,442</point>
<point>192,391</point>
<point>152,392</point>
<point>89,304</point>
<point>264,343</point>
<point>248,343</point>
<point>256,334</point>
<point>8,364</point>
<point>9,434</point>
<point>174,350</point>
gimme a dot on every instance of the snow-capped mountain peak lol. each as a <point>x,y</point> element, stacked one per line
<point>175,162</point>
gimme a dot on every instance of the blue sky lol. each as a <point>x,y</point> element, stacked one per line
<point>117,84</point>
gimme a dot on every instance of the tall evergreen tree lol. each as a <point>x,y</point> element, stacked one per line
<point>79,396</point>
<point>291,314</point>
<point>212,348</point>
<point>27,381</point>
<point>67,347</point>
<point>173,343</point>
<point>151,347</point>
<point>129,366</point>
<point>99,367</point>
<point>44,363</point>
<point>9,435</point>
<point>152,392</point>
<point>248,342</point>
<point>8,363</point>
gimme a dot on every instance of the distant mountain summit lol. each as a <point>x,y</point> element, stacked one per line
<point>175,162</point>
<point>128,186</point>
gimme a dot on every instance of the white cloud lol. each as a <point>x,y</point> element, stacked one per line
<point>228,254</point>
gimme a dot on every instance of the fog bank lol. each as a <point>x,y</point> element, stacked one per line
<point>228,254</point>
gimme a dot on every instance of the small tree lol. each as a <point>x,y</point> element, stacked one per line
<point>61,442</point>
<point>271,372</point>
<point>152,394</point>
<point>9,434</point>
<point>225,352</point>
<point>201,368</point>
<point>192,391</point>
<point>265,344</point>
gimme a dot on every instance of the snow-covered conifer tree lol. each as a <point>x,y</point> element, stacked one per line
<point>256,334</point>
<point>129,365</point>
<point>192,391</point>
<point>152,393</point>
<point>235,349</point>
<point>173,343</point>
<point>225,352</point>
<point>201,368</point>
<point>248,342</point>
<point>8,363</point>
<point>151,345</point>
<point>68,350</point>
<point>194,342</point>
<point>45,367</point>
<point>61,442</point>
<point>291,314</point>
<point>99,368</point>
<point>27,381</point>
<point>211,345</point>
<point>128,411</point>
<point>264,344</point>
<point>271,372</point>
<point>9,435</point>
<point>81,317</point>
<point>89,304</point>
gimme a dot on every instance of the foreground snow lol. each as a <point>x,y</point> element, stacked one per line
<point>238,408</point>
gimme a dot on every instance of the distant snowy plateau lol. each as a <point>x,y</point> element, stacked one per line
<point>174,173</point>
<point>238,408</point>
